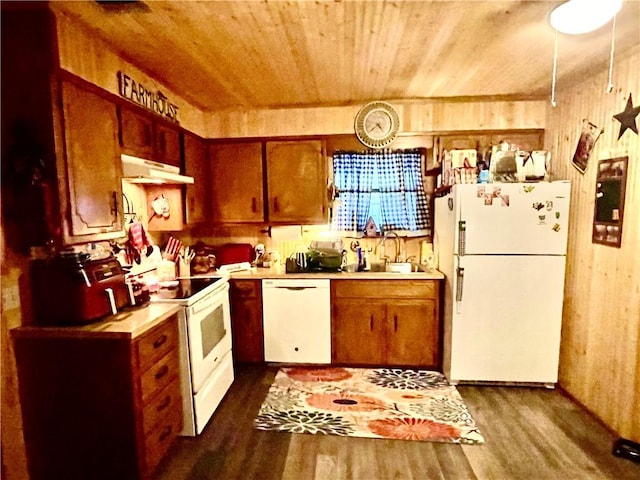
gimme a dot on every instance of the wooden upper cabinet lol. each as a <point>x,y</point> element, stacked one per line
<point>236,182</point>
<point>196,165</point>
<point>93,166</point>
<point>136,133</point>
<point>141,136</point>
<point>296,182</point>
<point>167,145</point>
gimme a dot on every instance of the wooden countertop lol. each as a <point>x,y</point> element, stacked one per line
<point>279,272</point>
<point>128,323</point>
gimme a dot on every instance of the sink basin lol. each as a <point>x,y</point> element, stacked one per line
<point>404,267</point>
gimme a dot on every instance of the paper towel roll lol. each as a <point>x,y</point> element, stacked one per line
<point>288,232</point>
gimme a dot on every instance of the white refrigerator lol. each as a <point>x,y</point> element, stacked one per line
<point>502,248</point>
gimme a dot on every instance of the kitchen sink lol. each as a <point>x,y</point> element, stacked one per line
<point>393,267</point>
<point>399,267</point>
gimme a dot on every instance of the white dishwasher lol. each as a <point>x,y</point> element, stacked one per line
<point>297,320</point>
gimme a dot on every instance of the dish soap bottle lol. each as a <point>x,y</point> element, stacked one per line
<point>427,256</point>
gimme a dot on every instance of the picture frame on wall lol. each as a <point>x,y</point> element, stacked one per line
<point>588,137</point>
<point>608,214</point>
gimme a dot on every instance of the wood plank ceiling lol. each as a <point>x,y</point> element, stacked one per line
<point>274,54</point>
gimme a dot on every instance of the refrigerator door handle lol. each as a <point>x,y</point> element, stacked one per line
<point>462,236</point>
<point>459,289</point>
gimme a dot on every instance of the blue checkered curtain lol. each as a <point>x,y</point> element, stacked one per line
<point>403,202</point>
<point>352,175</point>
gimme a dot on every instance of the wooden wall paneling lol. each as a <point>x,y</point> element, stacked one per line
<point>600,349</point>
<point>416,116</point>
<point>83,53</point>
<point>451,116</point>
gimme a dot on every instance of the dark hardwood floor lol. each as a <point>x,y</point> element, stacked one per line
<point>530,433</point>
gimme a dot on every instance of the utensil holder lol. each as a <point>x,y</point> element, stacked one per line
<point>184,269</point>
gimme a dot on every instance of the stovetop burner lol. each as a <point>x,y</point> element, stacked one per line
<point>187,289</point>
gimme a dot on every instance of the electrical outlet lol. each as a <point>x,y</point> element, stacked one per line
<point>10,298</point>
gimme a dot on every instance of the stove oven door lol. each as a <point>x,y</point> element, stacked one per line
<point>209,334</point>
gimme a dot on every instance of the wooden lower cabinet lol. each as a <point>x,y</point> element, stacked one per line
<point>96,405</point>
<point>246,321</point>
<point>385,323</point>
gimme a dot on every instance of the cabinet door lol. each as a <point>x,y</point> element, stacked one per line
<point>413,333</point>
<point>236,183</point>
<point>297,182</point>
<point>136,134</point>
<point>246,321</point>
<point>94,169</point>
<point>196,165</point>
<point>358,332</point>
<point>167,145</point>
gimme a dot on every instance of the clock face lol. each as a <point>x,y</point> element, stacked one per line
<point>377,124</point>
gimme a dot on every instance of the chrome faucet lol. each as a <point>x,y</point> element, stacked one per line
<point>388,234</point>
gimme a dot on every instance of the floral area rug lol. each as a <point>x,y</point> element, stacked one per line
<point>376,403</point>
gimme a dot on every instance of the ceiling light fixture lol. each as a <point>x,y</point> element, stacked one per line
<point>575,17</point>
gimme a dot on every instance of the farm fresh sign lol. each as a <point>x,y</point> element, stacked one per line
<point>153,101</point>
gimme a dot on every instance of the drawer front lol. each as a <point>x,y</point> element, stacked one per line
<point>162,406</point>
<point>159,375</point>
<point>385,288</point>
<point>158,441</point>
<point>157,343</point>
<point>245,288</point>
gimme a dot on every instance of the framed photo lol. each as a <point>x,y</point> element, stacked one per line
<point>588,137</point>
<point>609,205</point>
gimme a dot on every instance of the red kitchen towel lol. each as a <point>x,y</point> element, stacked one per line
<point>173,248</point>
<point>138,236</point>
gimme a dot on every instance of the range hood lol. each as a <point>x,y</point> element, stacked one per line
<point>139,170</point>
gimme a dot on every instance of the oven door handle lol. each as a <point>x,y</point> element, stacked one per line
<point>204,304</point>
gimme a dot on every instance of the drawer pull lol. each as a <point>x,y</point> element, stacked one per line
<point>165,433</point>
<point>395,323</point>
<point>160,341</point>
<point>162,372</point>
<point>164,404</point>
<point>371,322</point>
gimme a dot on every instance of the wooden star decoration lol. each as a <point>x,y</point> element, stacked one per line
<point>627,117</point>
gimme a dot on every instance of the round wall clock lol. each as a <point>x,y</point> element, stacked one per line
<point>377,124</point>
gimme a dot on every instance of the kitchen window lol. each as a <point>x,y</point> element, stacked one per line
<point>385,186</point>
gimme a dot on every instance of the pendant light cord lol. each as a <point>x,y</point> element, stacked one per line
<point>613,46</point>
<point>555,70</point>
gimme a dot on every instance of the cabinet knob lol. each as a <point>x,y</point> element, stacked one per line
<point>165,433</point>
<point>164,404</point>
<point>162,372</point>
<point>160,341</point>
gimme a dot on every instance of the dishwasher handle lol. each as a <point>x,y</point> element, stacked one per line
<point>296,288</point>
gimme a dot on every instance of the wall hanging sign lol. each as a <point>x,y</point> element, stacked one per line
<point>609,202</point>
<point>155,102</point>
<point>588,138</point>
<point>627,117</point>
